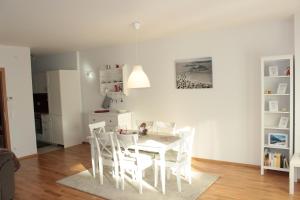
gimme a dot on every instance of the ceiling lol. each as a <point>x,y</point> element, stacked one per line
<point>51,26</point>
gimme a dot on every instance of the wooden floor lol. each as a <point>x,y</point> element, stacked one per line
<point>38,175</point>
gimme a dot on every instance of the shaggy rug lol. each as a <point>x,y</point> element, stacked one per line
<point>85,182</point>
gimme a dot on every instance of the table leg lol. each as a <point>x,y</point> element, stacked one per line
<point>292,178</point>
<point>163,171</point>
<point>93,157</point>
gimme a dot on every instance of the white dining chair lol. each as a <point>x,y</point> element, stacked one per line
<point>104,151</point>
<point>179,161</point>
<point>130,159</point>
<point>164,127</point>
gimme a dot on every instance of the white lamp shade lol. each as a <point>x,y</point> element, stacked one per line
<point>138,78</point>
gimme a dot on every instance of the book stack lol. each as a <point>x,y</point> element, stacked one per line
<point>275,159</point>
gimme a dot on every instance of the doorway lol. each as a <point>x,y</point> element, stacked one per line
<point>4,128</point>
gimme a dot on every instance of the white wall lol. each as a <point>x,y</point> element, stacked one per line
<point>43,63</point>
<point>227,117</point>
<point>16,61</point>
<point>297,81</point>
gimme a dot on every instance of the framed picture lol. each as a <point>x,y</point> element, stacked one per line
<point>273,106</point>
<point>283,122</point>
<point>273,70</point>
<point>282,88</point>
<point>194,73</point>
<point>278,140</point>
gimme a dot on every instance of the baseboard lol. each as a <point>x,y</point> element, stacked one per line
<point>29,156</point>
<point>225,162</point>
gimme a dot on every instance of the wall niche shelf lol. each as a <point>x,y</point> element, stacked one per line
<point>277,103</point>
<point>113,80</point>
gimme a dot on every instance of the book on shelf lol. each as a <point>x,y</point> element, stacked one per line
<point>275,159</point>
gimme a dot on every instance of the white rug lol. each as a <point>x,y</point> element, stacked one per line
<point>84,181</point>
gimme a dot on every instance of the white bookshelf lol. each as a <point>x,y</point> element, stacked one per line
<point>112,77</point>
<point>270,118</point>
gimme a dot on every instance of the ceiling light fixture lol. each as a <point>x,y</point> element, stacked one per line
<point>137,78</point>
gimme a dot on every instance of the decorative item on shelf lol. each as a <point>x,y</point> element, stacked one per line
<point>117,66</point>
<point>278,140</point>
<point>106,102</point>
<point>138,78</point>
<point>288,71</point>
<point>122,131</point>
<point>282,87</point>
<point>273,106</point>
<point>283,122</point>
<point>116,88</point>
<point>108,67</point>
<point>275,159</point>
<point>143,129</point>
<point>122,111</point>
<point>273,70</point>
<point>268,91</point>
<point>266,158</point>
<point>283,110</point>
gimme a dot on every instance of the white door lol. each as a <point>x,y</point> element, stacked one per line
<point>71,107</point>
<point>56,129</point>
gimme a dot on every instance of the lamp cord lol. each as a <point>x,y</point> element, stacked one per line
<point>136,46</point>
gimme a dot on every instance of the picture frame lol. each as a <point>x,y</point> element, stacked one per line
<point>278,140</point>
<point>194,73</point>
<point>282,87</point>
<point>283,122</point>
<point>273,70</point>
<point>273,106</point>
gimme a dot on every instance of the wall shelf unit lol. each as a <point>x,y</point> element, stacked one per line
<point>113,80</point>
<point>277,103</point>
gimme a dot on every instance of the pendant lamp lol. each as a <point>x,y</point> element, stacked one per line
<point>138,78</point>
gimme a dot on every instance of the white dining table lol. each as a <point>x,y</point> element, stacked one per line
<point>159,143</point>
<point>152,142</point>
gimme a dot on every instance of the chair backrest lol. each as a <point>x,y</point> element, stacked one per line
<point>164,127</point>
<point>149,125</point>
<point>124,142</point>
<point>103,140</point>
<point>187,140</point>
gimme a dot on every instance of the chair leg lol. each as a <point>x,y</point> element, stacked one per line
<point>178,179</point>
<point>133,175</point>
<point>168,173</point>
<point>101,172</point>
<point>94,168</point>
<point>140,180</point>
<point>122,179</point>
<point>116,172</point>
<point>155,173</point>
<point>94,164</point>
<point>188,173</point>
<point>144,174</point>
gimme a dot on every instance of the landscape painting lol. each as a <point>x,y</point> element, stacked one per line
<point>194,73</point>
<point>278,139</point>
